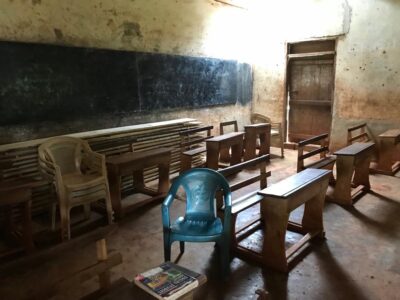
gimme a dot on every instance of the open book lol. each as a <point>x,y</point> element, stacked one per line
<point>167,281</point>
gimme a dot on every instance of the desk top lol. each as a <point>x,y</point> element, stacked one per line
<point>225,136</point>
<point>287,187</point>
<point>136,156</point>
<point>258,125</point>
<point>355,149</point>
<point>391,133</point>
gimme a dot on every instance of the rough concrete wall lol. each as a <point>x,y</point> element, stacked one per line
<point>367,87</point>
<point>367,80</point>
<point>194,28</point>
<point>367,70</point>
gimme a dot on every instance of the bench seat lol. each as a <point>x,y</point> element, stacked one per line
<point>321,164</point>
<point>196,151</point>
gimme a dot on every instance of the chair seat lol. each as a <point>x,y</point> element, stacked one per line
<point>75,180</point>
<point>197,228</point>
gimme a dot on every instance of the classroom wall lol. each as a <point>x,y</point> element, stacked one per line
<point>367,61</point>
<point>172,27</point>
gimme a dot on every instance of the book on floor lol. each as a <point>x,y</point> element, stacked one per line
<point>167,281</point>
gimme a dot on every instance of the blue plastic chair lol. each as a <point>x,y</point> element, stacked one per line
<point>200,223</point>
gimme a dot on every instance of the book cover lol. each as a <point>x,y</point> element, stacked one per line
<point>167,281</point>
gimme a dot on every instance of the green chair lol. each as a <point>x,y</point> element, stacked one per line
<point>200,222</point>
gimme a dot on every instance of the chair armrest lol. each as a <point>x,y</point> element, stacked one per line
<point>94,162</point>
<point>165,210</point>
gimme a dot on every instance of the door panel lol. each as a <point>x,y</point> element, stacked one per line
<point>310,90</point>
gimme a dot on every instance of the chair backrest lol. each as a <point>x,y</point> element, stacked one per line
<point>201,186</point>
<point>259,118</point>
<point>222,126</point>
<point>193,138</point>
<point>360,136</point>
<point>64,151</point>
<point>316,145</point>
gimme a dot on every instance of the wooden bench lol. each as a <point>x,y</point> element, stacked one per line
<point>246,201</point>
<point>315,145</point>
<point>388,163</point>
<point>354,159</point>
<point>60,269</point>
<point>222,126</point>
<point>254,133</point>
<point>192,146</point>
<point>358,133</point>
<point>307,187</point>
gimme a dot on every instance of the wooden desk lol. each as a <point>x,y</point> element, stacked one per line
<point>134,163</point>
<point>233,140</point>
<point>352,159</point>
<point>309,187</point>
<point>252,132</point>
<point>388,163</point>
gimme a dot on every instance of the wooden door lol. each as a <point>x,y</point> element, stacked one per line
<point>310,93</point>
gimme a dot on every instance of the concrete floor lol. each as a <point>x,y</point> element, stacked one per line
<point>360,258</point>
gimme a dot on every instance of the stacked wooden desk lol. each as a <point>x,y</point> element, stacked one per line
<point>352,159</point>
<point>134,164</point>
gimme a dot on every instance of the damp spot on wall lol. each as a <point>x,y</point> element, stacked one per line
<point>58,33</point>
<point>131,30</point>
<point>34,2</point>
<point>383,52</point>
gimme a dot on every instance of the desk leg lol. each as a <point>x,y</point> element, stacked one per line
<point>212,156</point>
<point>274,252</point>
<point>163,178</point>
<point>361,172</point>
<point>250,145</point>
<point>225,155</point>
<point>313,211</point>
<point>265,143</point>
<point>236,156</point>
<point>115,194</point>
<point>138,179</point>
<point>345,169</point>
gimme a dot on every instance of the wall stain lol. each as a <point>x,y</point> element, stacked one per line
<point>34,2</point>
<point>131,30</point>
<point>58,33</point>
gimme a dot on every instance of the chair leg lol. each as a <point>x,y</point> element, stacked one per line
<point>224,252</point>
<point>65,223</point>
<point>53,216</point>
<point>182,246</point>
<point>109,209</point>
<point>86,209</point>
<point>281,141</point>
<point>167,247</point>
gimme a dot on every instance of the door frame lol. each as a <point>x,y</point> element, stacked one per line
<point>288,144</point>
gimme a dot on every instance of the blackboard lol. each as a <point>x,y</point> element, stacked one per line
<point>54,83</point>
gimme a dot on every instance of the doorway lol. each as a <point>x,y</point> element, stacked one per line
<point>309,88</point>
